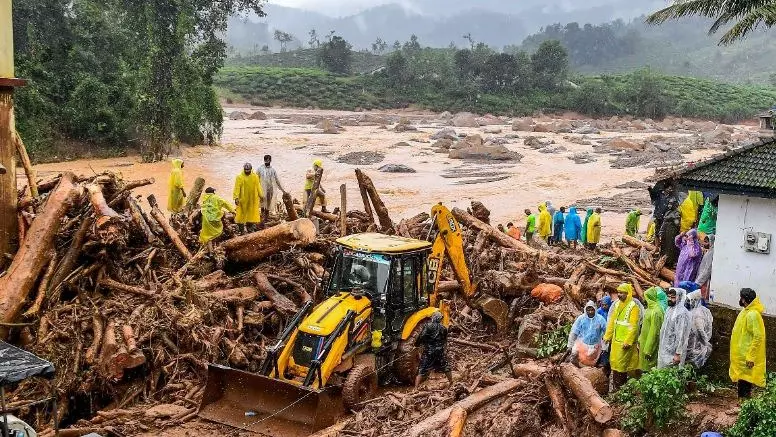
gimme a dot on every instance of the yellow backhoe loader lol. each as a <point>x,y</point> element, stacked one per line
<point>380,292</point>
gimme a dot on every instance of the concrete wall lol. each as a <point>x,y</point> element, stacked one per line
<point>724,318</point>
<point>735,268</point>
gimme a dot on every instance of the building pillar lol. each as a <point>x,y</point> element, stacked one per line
<point>8,197</point>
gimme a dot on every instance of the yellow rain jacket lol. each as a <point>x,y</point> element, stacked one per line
<point>175,201</point>
<point>212,212</point>
<point>594,228</point>
<point>545,221</point>
<point>747,343</point>
<point>688,210</point>
<point>623,328</point>
<point>248,193</point>
<point>309,179</point>
<point>651,231</point>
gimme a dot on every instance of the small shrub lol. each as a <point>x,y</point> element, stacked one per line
<point>757,417</point>
<point>553,342</point>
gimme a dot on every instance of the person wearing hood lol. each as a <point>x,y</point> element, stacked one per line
<point>433,340</point>
<point>573,227</point>
<point>558,222</point>
<point>603,307</point>
<point>212,212</point>
<point>309,182</point>
<point>690,257</point>
<point>699,344</point>
<point>675,331</point>
<point>530,226</point>
<point>662,298</point>
<point>594,229</point>
<point>649,339</point>
<point>747,345</point>
<point>632,222</point>
<point>622,331</point>
<point>550,208</point>
<point>583,234</point>
<point>584,342</point>
<point>175,183</point>
<point>704,271</point>
<point>688,210</point>
<point>708,222</point>
<point>248,196</point>
<point>545,223</point>
<point>269,178</point>
<point>667,238</point>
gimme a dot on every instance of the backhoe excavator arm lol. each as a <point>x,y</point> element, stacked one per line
<point>449,243</point>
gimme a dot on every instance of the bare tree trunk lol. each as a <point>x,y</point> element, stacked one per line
<point>382,212</point>
<point>157,214</point>
<point>258,245</point>
<point>193,198</point>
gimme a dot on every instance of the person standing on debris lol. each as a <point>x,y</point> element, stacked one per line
<point>572,227</point>
<point>550,208</point>
<point>513,231</point>
<point>310,182</point>
<point>649,339</point>
<point>585,224</point>
<point>269,178</point>
<point>501,229</point>
<point>177,193</point>
<point>704,271</point>
<point>651,231</point>
<point>433,340</point>
<point>701,320</point>
<point>688,210</point>
<point>558,222</point>
<point>622,331</point>
<point>530,226</point>
<point>212,212</point>
<point>585,338</point>
<point>747,345</point>
<point>675,331</point>
<point>247,196</point>
<point>690,257</point>
<point>545,223</point>
<point>632,223</point>
<point>667,237</point>
<point>594,229</point>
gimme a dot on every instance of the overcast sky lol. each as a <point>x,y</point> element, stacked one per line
<point>336,7</point>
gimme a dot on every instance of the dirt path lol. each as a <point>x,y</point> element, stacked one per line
<point>506,188</point>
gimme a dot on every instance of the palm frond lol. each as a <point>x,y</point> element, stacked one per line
<point>765,15</point>
<point>684,8</point>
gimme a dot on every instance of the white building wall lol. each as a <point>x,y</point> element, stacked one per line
<point>733,267</point>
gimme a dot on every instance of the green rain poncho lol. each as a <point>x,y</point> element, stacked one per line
<point>584,225</point>
<point>649,339</point>
<point>632,222</point>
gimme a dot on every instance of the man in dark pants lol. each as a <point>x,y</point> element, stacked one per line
<point>433,339</point>
<point>747,345</point>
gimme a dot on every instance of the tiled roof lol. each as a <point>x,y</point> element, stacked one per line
<point>749,170</point>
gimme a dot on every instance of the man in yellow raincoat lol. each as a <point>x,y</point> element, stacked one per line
<point>649,339</point>
<point>247,196</point>
<point>622,331</point>
<point>594,229</point>
<point>212,211</point>
<point>688,210</point>
<point>747,345</point>
<point>309,181</point>
<point>177,195</point>
<point>545,222</point>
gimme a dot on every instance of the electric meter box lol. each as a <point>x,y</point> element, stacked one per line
<point>757,242</point>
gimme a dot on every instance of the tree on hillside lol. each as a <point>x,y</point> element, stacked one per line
<point>283,38</point>
<point>314,42</point>
<point>746,15</point>
<point>468,37</point>
<point>500,72</point>
<point>396,45</point>
<point>413,45</point>
<point>336,55</point>
<point>379,46</point>
<point>550,65</point>
<point>397,70</point>
<point>646,96</point>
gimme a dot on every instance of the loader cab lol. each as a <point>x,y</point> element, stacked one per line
<point>391,271</point>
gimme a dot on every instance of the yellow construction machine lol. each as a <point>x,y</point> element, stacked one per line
<point>380,292</point>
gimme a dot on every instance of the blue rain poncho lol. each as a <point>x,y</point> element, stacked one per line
<point>586,336</point>
<point>573,225</point>
<point>607,302</point>
<point>675,332</point>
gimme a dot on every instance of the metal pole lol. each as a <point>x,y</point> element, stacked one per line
<point>5,413</point>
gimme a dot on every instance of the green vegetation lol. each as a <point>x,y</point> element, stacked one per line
<point>757,417</point>
<point>553,342</point>
<point>658,398</point>
<point>361,62</point>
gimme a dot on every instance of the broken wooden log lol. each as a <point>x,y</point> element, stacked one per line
<point>635,242</point>
<point>157,214</point>
<point>137,216</point>
<point>97,330</point>
<point>585,393</point>
<point>212,280</point>
<point>668,274</point>
<point>43,286</point>
<point>118,286</point>
<point>288,202</point>
<point>456,422</point>
<point>30,260</point>
<point>310,204</point>
<point>282,303</point>
<point>99,203</point>
<point>26,164</point>
<point>499,237</point>
<point>259,245</point>
<point>558,400</point>
<point>192,200</point>
<point>235,295</point>
<point>383,217</point>
<point>70,259</point>
<point>343,217</point>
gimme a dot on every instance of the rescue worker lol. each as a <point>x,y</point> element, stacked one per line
<point>585,223</point>
<point>651,231</point>
<point>701,320</point>
<point>433,340</point>
<point>675,331</point>
<point>585,338</point>
<point>708,222</point>
<point>603,307</point>
<point>704,271</point>
<point>545,223</point>
<point>572,227</point>
<point>501,229</point>
<point>310,181</point>
<point>667,236</point>
<point>688,210</point>
<point>747,345</point>
<point>513,231</point>
<point>622,331</point>
<point>594,229</point>
<point>632,223</point>
<point>247,196</point>
<point>649,339</point>
<point>690,257</point>
<point>558,223</point>
<point>530,226</point>
<point>175,183</point>
<point>269,178</point>
<point>550,208</point>
<point>212,211</point>
<point>662,298</point>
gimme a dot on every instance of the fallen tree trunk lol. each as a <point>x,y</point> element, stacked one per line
<point>367,203</point>
<point>456,422</point>
<point>282,303</point>
<point>469,404</point>
<point>668,274</point>
<point>70,259</point>
<point>635,242</point>
<point>382,212</point>
<point>31,258</point>
<point>243,294</point>
<point>585,393</point>
<point>343,217</point>
<point>99,203</point>
<point>139,219</point>
<point>288,202</point>
<point>193,198</point>
<point>157,214</point>
<point>25,159</point>
<point>499,237</point>
<point>212,280</point>
<point>258,245</point>
<point>558,402</point>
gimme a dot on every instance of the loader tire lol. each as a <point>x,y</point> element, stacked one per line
<point>360,385</point>
<point>406,365</point>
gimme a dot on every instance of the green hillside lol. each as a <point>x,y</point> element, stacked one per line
<point>363,62</point>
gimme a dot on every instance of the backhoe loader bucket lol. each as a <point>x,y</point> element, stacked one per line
<point>266,405</point>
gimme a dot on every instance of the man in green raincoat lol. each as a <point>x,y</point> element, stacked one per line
<point>632,223</point>
<point>584,225</point>
<point>649,339</point>
<point>212,211</point>
<point>622,331</point>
